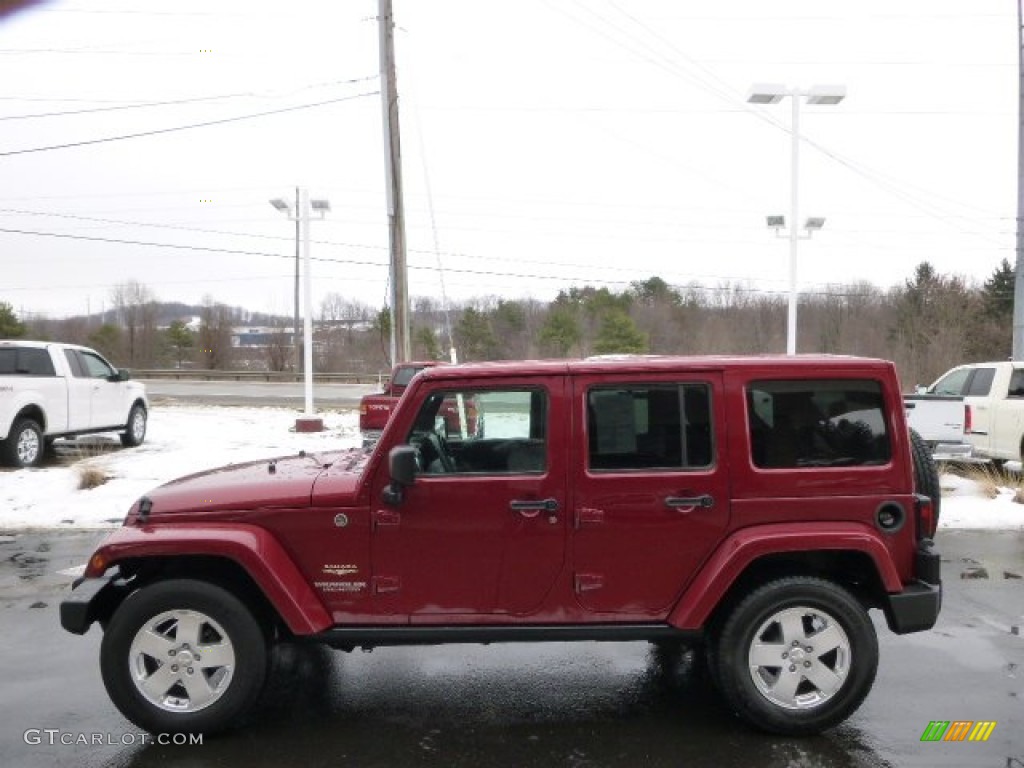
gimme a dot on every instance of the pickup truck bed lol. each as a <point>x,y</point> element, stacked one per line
<point>941,420</point>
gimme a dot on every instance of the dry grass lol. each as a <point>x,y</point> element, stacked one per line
<point>70,452</point>
<point>91,476</point>
<point>991,478</point>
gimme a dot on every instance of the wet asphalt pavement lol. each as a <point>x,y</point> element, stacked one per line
<point>582,704</point>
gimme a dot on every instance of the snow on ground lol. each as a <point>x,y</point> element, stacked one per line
<point>186,439</point>
<point>180,440</point>
<point>965,504</point>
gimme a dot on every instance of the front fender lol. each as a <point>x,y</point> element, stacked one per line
<point>741,549</point>
<point>251,547</point>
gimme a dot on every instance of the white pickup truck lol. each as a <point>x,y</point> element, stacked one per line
<point>941,421</point>
<point>50,390</point>
<point>990,397</point>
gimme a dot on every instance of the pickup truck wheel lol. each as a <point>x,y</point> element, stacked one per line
<point>797,656</point>
<point>135,430</point>
<point>24,445</point>
<point>183,656</point>
<point>926,474</point>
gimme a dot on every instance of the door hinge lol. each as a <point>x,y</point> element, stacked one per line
<point>386,517</point>
<point>587,582</point>
<point>384,584</point>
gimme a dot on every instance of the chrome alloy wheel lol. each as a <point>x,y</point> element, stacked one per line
<point>182,661</point>
<point>138,425</point>
<point>799,658</point>
<point>28,446</point>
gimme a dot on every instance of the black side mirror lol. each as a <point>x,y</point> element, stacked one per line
<point>402,464</point>
<point>402,468</point>
<point>123,374</point>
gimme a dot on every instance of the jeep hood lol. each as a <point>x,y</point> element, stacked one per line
<point>282,482</point>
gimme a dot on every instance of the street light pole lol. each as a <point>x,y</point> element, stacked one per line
<point>309,423</point>
<point>773,94</point>
<point>301,216</point>
<point>794,208</point>
<point>295,327</point>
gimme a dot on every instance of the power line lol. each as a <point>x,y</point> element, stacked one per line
<point>572,279</point>
<point>187,127</point>
<point>708,81</point>
<point>195,100</point>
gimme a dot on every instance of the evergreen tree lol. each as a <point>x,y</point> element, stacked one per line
<point>560,332</point>
<point>427,346</point>
<point>180,338</point>
<point>10,326</point>
<point>475,337</point>
<point>107,340</point>
<point>619,335</point>
<point>997,293</point>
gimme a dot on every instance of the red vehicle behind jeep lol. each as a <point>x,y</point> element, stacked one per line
<point>755,507</point>
<point>376,409</point>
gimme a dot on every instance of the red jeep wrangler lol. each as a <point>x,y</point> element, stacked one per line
<point>757,507</point>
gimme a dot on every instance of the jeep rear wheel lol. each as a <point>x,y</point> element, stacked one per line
<point>797,656</point>
<point>183,656</point>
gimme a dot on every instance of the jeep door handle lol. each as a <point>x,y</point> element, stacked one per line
<point>705,501</point>
<point>529,508</point>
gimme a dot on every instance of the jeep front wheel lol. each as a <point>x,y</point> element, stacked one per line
<point>797,656</point>
<point>183,656</point>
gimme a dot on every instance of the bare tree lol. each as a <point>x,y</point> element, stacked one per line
<point>135,306</point>
<point>215,334</point>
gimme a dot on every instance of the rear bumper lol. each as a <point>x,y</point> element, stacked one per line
<point>916,608</point>
<point>91,600</point>
<point>958,452</point>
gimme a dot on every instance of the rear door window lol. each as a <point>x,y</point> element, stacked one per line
<point>649,426</point>
<point>8,361</point>
<point>1016,383</point>
<point>825,423</point>
<point>981,382</point>
<point>35,362</point>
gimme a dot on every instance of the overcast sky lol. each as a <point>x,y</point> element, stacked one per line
<point>557,142</point>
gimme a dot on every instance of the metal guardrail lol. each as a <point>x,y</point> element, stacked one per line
<point>199,374</point>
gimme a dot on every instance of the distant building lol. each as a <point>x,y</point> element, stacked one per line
<point>258,337</point>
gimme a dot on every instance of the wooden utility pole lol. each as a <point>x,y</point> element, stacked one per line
<point>400,346</point>
<point>1018,283</point>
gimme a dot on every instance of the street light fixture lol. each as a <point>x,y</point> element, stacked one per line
<point>301,216</point>
<point>773,93</point>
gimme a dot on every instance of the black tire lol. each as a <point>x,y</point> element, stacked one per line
<point>135,428</point>
<point>817,689</point>
<point>926,474</point>
<point>24,446</point>
<point>225,630</point>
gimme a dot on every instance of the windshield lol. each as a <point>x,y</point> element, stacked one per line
<point>404,375</point>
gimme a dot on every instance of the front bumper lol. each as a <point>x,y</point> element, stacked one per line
<point>916,608</point>
<point>91,600</point>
